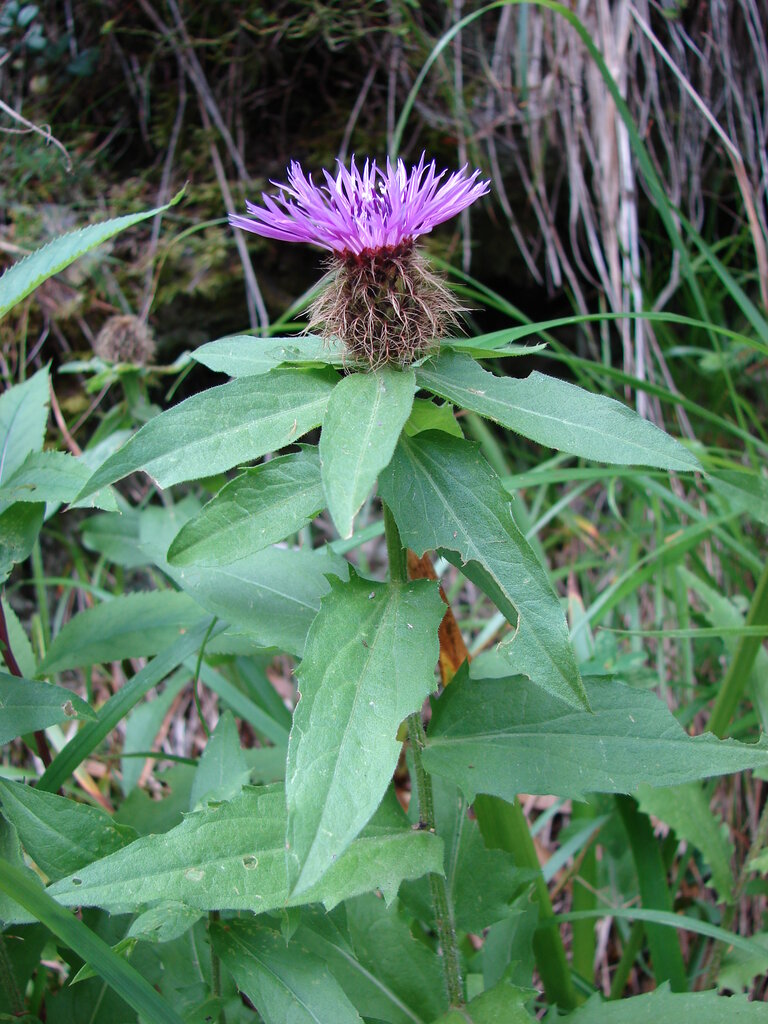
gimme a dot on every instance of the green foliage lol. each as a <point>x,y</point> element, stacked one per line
<point>27,705</point>
<point>488,742</point>
<point>365,416</point>
<point>231,855</point>
<point>257,633</point>
<point>444,495</point>
<point>368,664</point>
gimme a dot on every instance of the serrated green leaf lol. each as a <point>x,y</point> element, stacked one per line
<point>221,428</point>
<point>739,968</point>
<point>242,355</point>
<point>27,705</point>
<point>54,477</point>
<point>369,662</point>
<point>506,736</point>
<point>23,417</point>
<point>23,277</point>
<point>222,770</point>
<point>258,508</point>
<point>366,413</point>
<point>686,809</point>
<point>232,856</point>
<point>667,1007</point>
<point>60,835</point>
<point>127,626</point>
<point>443,494</point>
<point>284,982</point>
<point>556,414</point>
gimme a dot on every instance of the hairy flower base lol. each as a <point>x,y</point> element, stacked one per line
<point>385,305</point>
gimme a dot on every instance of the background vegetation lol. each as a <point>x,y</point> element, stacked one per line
<point>649,198</point>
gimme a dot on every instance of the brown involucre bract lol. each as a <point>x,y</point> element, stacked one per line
<point>385,305</point>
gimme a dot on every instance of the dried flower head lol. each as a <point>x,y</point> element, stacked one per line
<point>125,339</point>
<point>379,297</point>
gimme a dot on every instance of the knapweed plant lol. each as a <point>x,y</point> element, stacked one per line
<point>368,857</point>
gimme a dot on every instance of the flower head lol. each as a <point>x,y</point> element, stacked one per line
<point>360,210</point>
<point>380,297</point>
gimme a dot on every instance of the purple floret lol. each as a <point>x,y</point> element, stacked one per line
<point>362,210</point>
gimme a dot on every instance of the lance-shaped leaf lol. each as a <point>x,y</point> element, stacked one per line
<point>365,415</point>
<point>24,276</point>
<point>23,416</point>
<point>60,835</point>
<point>284,982</point>
<point>26,705</point>
<point>242,355</point>
<point>128,626</point>
<point>258,508</point>
<point>506,736</point>
<point>232,856</point>
<point>221,427</point>
<point>53,477</point>
<point>556,414</point>
<point>444,495</point>
<point>369,662</point>
<point>273,596</point>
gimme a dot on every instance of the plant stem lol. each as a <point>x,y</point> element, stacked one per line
<point>504,827</point>
<point>632,947</point>
<point>668,963</point>
<point>441,903</point>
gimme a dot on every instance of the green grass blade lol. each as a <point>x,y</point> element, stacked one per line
<point>115,971</point>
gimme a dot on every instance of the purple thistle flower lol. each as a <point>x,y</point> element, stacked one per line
<point>358,211</point>
<point>380,296</point>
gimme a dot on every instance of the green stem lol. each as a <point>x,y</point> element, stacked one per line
<point>629,954</point>
<point>668,964</point>
<point>504,827</point>
<point>743,660</point>
<point>584,898</point>
<point>441,903</point>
